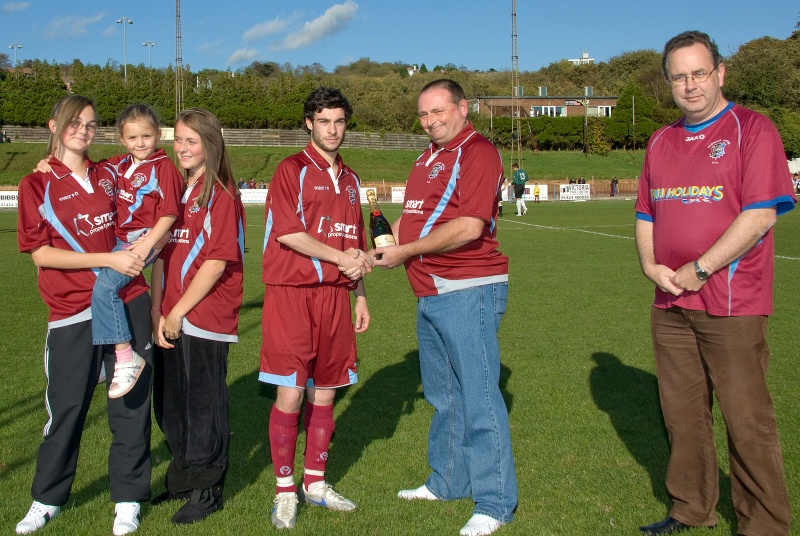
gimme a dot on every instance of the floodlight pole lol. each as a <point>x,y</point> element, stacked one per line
<point>15,46</point>
<point>125,21</point>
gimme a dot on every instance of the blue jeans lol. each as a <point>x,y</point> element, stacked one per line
<point>469,443</point>
<point>109,322</point>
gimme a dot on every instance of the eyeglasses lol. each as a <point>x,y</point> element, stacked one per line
<point>697,76</point>
<point>77,124</point>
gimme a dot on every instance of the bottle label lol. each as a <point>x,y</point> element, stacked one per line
<point>384,240</point>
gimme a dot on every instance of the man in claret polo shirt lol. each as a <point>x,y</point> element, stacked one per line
<point>712,185</point>
<point>447,241</point>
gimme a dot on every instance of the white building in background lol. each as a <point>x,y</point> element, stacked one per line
<point>583,60</point>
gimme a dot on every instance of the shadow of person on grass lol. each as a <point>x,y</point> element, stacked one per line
<point>374,412</point>
<point>249,405</point>
<point>630,397</point>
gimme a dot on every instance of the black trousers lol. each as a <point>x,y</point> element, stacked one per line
<point>195,413</point>
<point>72,364</point>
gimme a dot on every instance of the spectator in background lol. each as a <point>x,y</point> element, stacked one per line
<point>520,177</point>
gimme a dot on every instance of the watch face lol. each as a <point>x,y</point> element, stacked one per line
<point>702,275</point>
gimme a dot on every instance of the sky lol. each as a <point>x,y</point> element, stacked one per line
<point>476,34</point>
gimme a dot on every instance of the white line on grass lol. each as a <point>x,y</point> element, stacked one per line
<point>551,228</point>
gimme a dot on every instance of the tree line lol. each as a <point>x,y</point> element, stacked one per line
<point>763,74</point>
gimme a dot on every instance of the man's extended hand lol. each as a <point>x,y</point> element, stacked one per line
<point>357,264</point>
<point>388,256</point>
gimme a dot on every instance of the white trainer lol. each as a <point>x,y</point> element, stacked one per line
<point>37,517</point>
<point>126,518</point>
<point>284,510</point>
<point>325,496</point>
<point>125,376</point>
<point>480,525</point>
<point>421,492</point>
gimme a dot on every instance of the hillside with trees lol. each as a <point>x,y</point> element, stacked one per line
<point>763,74</point>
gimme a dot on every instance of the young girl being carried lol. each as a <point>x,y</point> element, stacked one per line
<point>148,198</point>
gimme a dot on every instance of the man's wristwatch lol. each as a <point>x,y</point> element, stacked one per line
<point>702,275</point>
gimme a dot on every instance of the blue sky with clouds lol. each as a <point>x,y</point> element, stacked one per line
<point>472,33</point>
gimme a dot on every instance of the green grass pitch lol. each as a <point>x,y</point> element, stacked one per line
<point>578,378</point>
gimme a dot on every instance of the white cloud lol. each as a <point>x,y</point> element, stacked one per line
<point>15,6</point>
<point>264,29</point>
<point>334,20</point>
<point>243,55</point>
<point>111,30</point>
<point>210,47</point>
<point>71,26</point>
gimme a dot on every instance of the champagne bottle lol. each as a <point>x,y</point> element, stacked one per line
<point>379,228</point>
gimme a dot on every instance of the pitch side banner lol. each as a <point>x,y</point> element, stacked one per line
<point>398,194</point>
<point>574,192</point>
<point>254,196</point>
<point>508,193</point>
<point>8,199</point>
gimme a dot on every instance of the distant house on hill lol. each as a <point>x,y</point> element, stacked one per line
<point>583,60</point>
<point>542,104</point>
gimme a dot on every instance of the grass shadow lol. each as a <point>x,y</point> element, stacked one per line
<point>630,397</point>
<point>248,454</point>
<point>374,413</point>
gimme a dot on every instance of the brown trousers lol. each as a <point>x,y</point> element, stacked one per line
<point>696,356</point>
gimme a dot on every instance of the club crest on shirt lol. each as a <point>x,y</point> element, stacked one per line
<point>138,180</point>
<point>352,195</point>
<point>107,187</point>
<point>717,149</point>
<point>437,168</point>
<point>195,208</point>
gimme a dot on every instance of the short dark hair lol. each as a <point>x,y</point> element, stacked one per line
<point>455,90</point>
<point>325,97</point>
<point>687,39</point>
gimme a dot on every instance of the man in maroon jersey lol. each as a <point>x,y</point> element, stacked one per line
<point>447,238</point>
<point>712,185</point>
<point>313,258</point>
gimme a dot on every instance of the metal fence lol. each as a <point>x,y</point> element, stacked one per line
<point>251,137</point>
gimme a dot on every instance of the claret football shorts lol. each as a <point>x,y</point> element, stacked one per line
<point>308,338</point>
